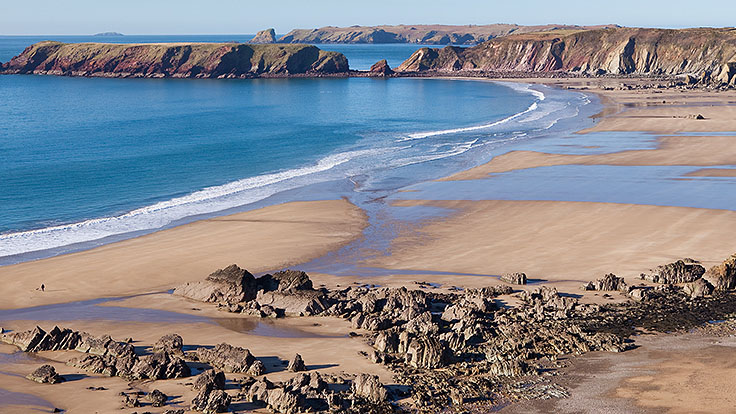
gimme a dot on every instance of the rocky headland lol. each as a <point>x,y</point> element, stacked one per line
<point>708,55</point>
<point>194,60</point>
<point>419,34</point>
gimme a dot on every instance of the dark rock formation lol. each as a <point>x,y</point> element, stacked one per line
<point>681,271</point>
<point>381,68</point>
<point>211,401</point>
<point>699,288</point>
<point>608,283</point>
<point>723,276</point>
<point>210,379</point>
<point>171,344</point>
<point>130,400</point>
<point>618,51</point>
<point>369,388</point>
<point>227,358</point>
<point>297,364</point>
<point>196,60</point>
<point>264,37</point>
<point>45,374</point>
<point>514,278</point>
<point>157,398</point>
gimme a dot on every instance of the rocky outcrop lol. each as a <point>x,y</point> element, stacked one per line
<point>176,60</point>
<point>381,68</point>
<point>723,276</point>
<point>157,398</point>
<point>608,283</point>
<point>514,278</point>
<point>211,401</point>
<point>210,379</point>
<point>699,288</point>
<point>264,37</point>
<point>420,34</point>
<point>230,359</point>
<point>45,374</point>
<point>171,344</point>
<point>710,54</point>
<point>369,388</point>
<point>230,285</point>
<point>681,271</point>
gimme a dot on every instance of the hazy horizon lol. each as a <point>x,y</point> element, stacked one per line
<point>166,17</point>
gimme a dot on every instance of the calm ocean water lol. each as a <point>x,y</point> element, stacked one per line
<point>83,160</point>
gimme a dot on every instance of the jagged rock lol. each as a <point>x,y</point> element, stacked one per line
<point>174,412</point>
<point>229,285</point>
<point>723,276</point>
<point>369,387</point>
<point>264,37</point>
<point>421,324</point>
<point>297,364</point>
<point>286,281</point>
<point>381,68</point>
<point>210,401</point>
<point>514,278</point>
<point>257,368</point>
<point>282,401</point>
<point>699,288</point>
<point>640,293</point>
<point>258,390</point>
<point>210,379</point>
<point>157,398</point>
<point>94,364</point>
<point>37,340</point>
<point>508,368</point>
<point>160,365</point>
<point>426,352</point>
<point>131,400</point>
<point>171,344</point>
<point>227,358</point>
<point>45,374</point>
<point>387,341</point>
<point>681,271</point>
<point>609,282</point>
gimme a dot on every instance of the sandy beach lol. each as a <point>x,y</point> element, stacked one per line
<point>557,243</point>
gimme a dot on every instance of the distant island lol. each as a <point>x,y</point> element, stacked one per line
<point>419,34</point>
<point>108,34</point>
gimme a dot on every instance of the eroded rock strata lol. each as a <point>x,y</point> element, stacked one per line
<point>175,60</point>
<point>709,54</point>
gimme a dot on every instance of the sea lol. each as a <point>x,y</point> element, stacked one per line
<point>84,162</point>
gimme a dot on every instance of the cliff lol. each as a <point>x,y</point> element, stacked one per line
<point>709,53</point>
<point>421,34</point>
<point>176,60</point>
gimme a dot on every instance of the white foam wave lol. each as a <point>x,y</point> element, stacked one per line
<point>540,96</point>
<point>207,200</point>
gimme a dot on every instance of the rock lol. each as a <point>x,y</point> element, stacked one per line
<point>609,282</point>
<point>227,358</point>
<point>640,293</point>
<point>210,401</point>
<point>130,400</point>
<point>297,364</point>
<point>210,379</point>
<point>381,68</point>
<point>514,278</point>
<point>229,285</point>
<point>159,365</point>
<point>699,288</point>
<point>264,37</point>
<point>723,276</point>
<point>286,281</point>
<point>171,344</point>
<point>282,401</point>
<point>46,374</point>
<point>369,387</point>
<point>257,368</point>
<point>304,303</point>
<point>174,412</point>
<point>426,352</point>
<point>157,398</point>
<point>681,271</point>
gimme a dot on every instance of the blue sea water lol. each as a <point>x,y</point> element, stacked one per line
<point>86,161</point>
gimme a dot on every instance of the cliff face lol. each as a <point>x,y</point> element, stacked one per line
<point>422,34</point>
<point>614,51</point>
<point>264,37</point>
<point>197,60</point>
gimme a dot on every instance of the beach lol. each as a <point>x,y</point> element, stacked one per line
<point>558,243</point>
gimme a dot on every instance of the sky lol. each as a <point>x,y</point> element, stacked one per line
<point>244,17</point>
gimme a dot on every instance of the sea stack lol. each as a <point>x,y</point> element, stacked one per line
<point>264,37</point>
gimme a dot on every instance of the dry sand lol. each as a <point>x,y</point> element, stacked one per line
<point>261,240</point>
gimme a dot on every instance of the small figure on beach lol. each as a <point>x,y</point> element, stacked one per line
<point>43,288</point>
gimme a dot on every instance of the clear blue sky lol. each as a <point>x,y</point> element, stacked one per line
<point>238,17</point>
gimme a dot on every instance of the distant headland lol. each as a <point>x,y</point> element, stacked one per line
<point>108,34</point>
